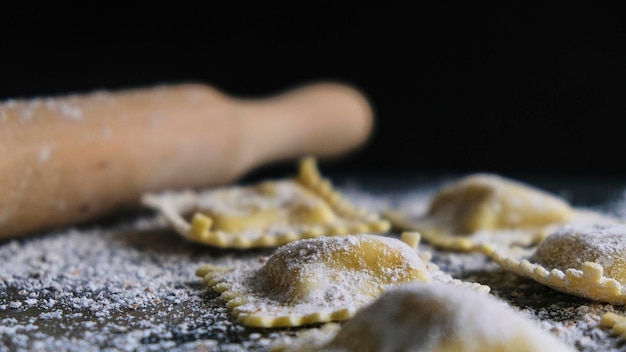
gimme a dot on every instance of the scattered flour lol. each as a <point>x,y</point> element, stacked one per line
<point>129,285</point>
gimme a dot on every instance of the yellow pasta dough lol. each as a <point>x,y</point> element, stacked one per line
<point>482,208</point>
<point>489,202</point>
<point>354,261</point>
<point>586,261</point>
<point>616,322</point>
<point>573,247</point>
<point>266,214</point>
<point>431,318</point>
<point>319,280</point>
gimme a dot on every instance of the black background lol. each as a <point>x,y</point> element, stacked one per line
<point>457,87</point>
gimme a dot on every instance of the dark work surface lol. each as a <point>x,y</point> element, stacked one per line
<point>456,86</point>
<point>129,284</point>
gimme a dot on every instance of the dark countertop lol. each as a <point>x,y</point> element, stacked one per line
<point>129,284</point>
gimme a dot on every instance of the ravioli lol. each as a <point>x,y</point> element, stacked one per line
<point>487,208</point>
<point>267,214</point>
<point>320,279</point>
<point>585,261</point>
<point>431,318</point>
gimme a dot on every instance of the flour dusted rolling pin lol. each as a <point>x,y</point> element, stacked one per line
<point>65,160</point>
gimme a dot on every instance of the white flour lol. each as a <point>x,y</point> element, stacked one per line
<point>130,286</point>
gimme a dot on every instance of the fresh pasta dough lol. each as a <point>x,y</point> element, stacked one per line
<point>267,214</point>
<point>320,279</point>
<point>488,208</point>
<point>431,318</point>
<point>586,261</point>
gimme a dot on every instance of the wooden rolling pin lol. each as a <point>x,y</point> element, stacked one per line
<point>66,160</point>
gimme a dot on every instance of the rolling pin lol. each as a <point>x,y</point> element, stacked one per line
<point>69,159</point>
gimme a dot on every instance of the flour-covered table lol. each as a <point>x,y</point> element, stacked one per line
<point>129,283</point>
